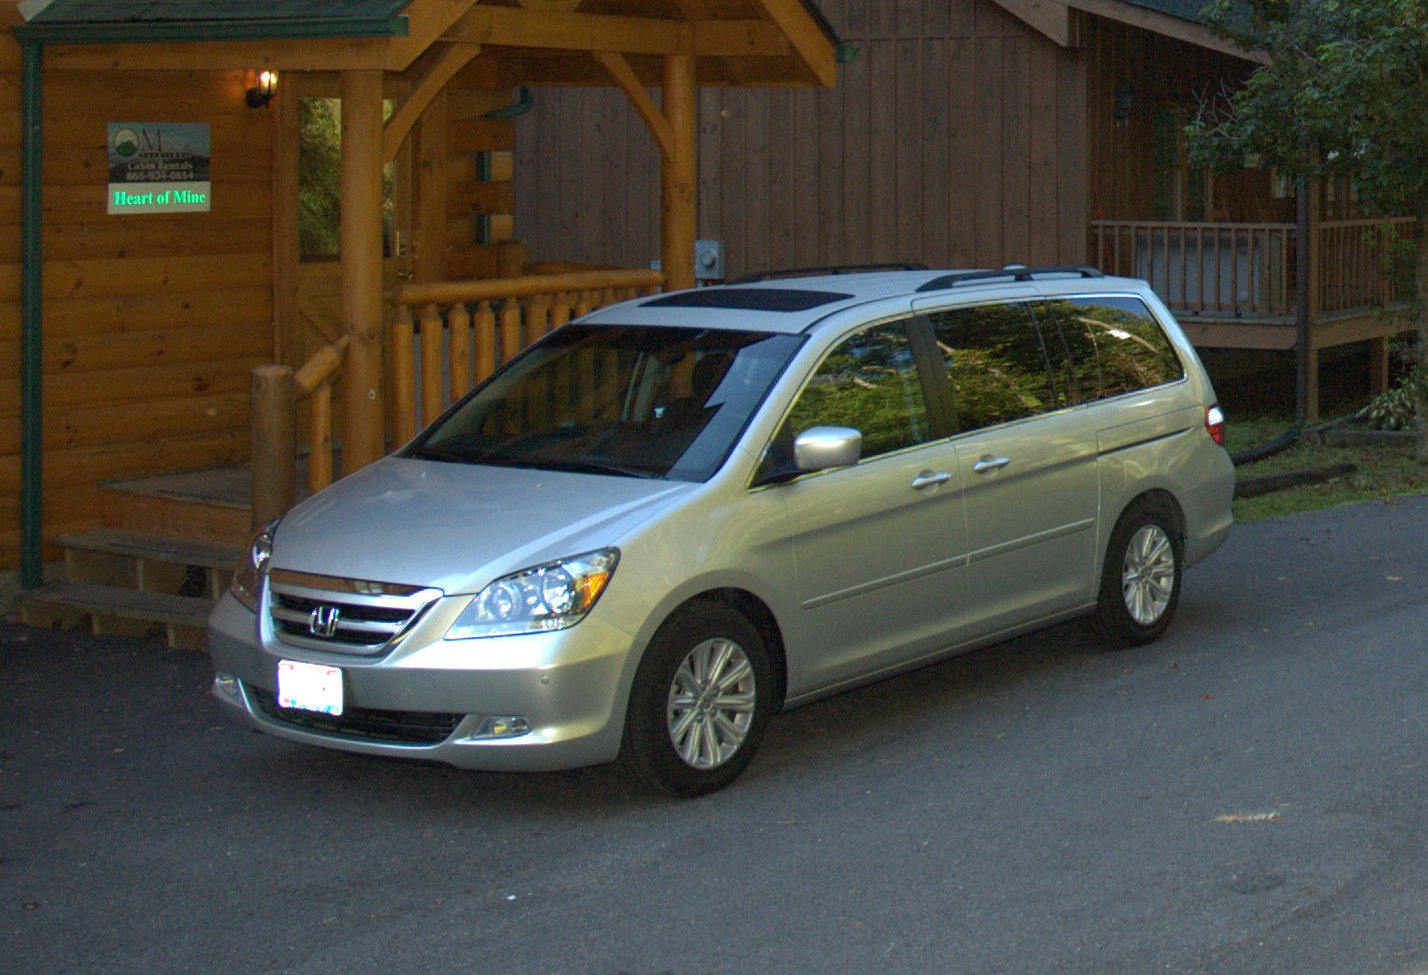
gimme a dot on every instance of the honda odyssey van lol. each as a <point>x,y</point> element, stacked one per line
<point>670,519</point>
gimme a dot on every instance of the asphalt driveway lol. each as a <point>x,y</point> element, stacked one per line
<point>1248,795</point>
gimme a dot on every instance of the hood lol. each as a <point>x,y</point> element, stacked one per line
<point>458,526</point>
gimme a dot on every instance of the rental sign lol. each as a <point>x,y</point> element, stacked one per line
<point>159,167</point>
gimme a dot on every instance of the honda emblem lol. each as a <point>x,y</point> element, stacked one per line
<point>322,621</point>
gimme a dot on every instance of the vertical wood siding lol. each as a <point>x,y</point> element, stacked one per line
<point>955,138</point>
<point>151,322</point>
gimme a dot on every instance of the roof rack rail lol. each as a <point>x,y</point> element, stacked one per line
<point>807,272</point>
<point>1017,272</point>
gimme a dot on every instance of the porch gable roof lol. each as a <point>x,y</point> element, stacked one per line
<point>735,42</point>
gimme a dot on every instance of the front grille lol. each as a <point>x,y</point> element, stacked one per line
<point>362,724</point>
<point>342,615</point>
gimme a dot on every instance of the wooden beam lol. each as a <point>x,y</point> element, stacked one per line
<point>559,30</point>
<point>624,76</point>
<point>399,126</point>
<point>427,20</point>
<point>338,55</point>
<point>1048,17</point>
<point>364,433</point>
<point>813,45</point>
<point>679,182</point>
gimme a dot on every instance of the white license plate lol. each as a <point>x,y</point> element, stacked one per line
<point>309,687</point>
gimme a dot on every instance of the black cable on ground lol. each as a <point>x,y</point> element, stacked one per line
<point>1282,442</point>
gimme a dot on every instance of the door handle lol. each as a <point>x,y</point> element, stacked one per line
<point>990,463</point>
<point>930,480</point>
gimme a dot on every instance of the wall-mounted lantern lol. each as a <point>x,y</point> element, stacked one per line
<point>265,86</point>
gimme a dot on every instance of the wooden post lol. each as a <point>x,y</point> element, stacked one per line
<point>274,428</point>
<point>364,430</point>
<point>680,173</point>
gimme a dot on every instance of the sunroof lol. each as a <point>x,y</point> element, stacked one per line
<point>748,299</point>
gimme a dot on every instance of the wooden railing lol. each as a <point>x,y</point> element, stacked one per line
<point>444,339</point>
<point>1355,263</point>
<point>276,392</point>
<point>1224,270</point>
<point>447,337</point>
<point>1220,269</point>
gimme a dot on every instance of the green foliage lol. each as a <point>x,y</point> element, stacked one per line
<point>1391,410</point>
<point>319,176</point>
<point>1343,91</point>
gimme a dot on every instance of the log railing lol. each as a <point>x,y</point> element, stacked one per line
<point>277,390</point>
<point>1223,270</point>
<point>444,339</point>
<point>447,337</point>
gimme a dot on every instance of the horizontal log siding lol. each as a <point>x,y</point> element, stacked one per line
<point>956,137</point>
<point>151,322</point>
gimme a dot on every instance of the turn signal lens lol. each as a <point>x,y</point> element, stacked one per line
<point>1215,424</point>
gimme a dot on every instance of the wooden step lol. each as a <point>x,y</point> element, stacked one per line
<point>201,521</point>
<point>149,563</point>
<point>181,621</point>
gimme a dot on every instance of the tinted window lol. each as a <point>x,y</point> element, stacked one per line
<point>869,382</point>
<point>1108,346</point>
<point>645,402</point>
<point>996,365</point>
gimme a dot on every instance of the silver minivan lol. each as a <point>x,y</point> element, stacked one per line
<point>668,520</point>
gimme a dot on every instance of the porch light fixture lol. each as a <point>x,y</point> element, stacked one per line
<point>264,88</point>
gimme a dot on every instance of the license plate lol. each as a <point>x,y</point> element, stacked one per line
<point>309,687</point>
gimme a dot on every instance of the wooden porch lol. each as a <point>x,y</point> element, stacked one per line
<point>1233,285</point>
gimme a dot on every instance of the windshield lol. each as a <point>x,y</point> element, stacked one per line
<point>615,399</point>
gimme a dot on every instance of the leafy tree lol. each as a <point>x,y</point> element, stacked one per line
<point>1343,91</point>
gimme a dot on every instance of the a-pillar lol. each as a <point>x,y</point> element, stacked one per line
<point>363,434</point>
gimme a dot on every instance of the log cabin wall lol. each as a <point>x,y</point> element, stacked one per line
<point>956,137</point>
<point>151,322</point>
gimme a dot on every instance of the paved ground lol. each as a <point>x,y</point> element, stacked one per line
<point>1250,795</point>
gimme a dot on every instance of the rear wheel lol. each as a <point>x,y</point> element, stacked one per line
<point>699,701</point>
<point>1140,582</point>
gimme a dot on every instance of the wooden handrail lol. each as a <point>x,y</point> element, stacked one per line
<point>498,289</point>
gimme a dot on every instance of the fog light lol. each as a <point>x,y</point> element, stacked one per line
<point>502,726</point>
<point>225,684</point>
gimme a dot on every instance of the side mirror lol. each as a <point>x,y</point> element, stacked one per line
<point>821,448</point>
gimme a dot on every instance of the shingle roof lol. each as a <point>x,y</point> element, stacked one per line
<point>213,19</point>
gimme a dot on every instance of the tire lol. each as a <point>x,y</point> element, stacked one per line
<point>699,702</point>
<point>1140,582</point>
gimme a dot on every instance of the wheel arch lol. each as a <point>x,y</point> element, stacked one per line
<point>761,617</point>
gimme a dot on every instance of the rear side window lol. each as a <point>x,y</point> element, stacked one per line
<point>997,366</point>
<point>1107,346</point>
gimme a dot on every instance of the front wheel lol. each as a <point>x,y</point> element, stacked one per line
<point>1140,582</point>
<point>699,701</point>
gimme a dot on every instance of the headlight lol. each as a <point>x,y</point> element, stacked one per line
<point>248,580</point>
<point>546,597</point>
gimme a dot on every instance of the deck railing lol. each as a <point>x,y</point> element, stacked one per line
<point>1222,270</point>
<point>1356,261</point>
<point>1217,269</point>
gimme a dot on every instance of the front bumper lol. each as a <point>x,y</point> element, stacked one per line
<point>433,699</point>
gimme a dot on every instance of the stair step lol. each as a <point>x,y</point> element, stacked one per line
<point>181,621</point>
<point>150,563</point>
<point>157,548</point>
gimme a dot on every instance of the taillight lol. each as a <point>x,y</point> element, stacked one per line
<point>1215,423</point>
